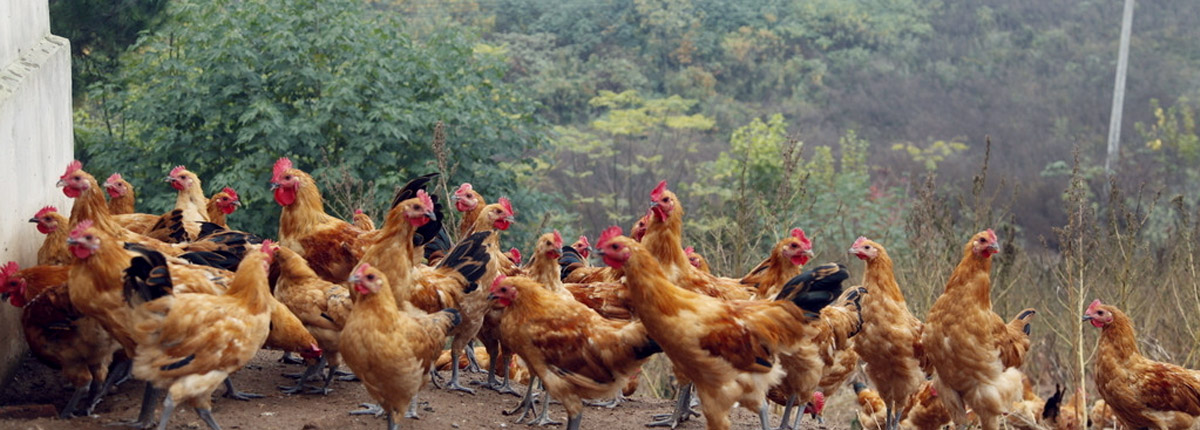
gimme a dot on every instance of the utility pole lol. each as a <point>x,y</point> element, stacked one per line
<point>1114,125</point>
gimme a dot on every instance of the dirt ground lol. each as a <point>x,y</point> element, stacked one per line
<point>36,384</point>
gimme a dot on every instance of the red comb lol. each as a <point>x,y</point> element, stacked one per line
<point>507,206</point>
<point>426,201</point>
<point>689,250</point>
<point>557,239</point>
<point>583,239</point>
<point>358,211</point>
<point>818,401</point>
<point>859,241</point>
<point>662,186</point>
<point>268,248</point>
<point>45,210</point>
<point>9,270</point>
<point>464,188</point>
<point>362,269</point>
<point>515,254</point>
<point>991,235</point>
<point>114,178</point>
<point>177,170</point>
<point>81,227</point>
<point>799,235</point>
<point>609,233</point>
<point>231,192</point>
<point>281,165</point>
<point>71,168</point>
<point>497,281</point>
<point>1095,304</point>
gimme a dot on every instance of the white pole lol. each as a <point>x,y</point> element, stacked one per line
<point>1114,125</point>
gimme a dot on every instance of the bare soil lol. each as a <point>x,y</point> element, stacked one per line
<point>35,384</point>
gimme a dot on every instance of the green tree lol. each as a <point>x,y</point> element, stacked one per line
<point>229,86</point>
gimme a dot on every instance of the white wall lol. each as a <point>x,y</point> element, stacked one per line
<point>36,142</point>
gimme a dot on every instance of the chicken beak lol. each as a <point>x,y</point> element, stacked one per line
<point>455,198</point>
<point>237,203</point>
<point>60,183</point>
<point>168,179</point>
<point>1087,317</point>
<point>511,218</point>
<point>491,297</point>
<point>994,246</point>
<point>431,215</point>
<point>72,241</point>
<point>809,253</point>
<point>33,220</point>
<point>274,186</point>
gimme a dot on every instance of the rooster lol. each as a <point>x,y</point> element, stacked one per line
<point>1142,393</point>
<point>331,246</point>
<point>188,344</point>
<point>575,352</point>
<point>974,354</point>
<point>57,333</point>
<point>54,247</point>
<point>389,344</point>
<point>786,258</point>
<point>728,350</point>
<point>121,196</point>
<point>890,341</point>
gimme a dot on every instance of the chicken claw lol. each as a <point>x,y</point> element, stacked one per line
<point>234,394</point>
<point>683,411</point>
<point>372,409</point>
<point>544,419</point>
<point>525,407</point>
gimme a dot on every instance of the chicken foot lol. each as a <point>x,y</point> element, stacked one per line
<point>472,362</point>
<point>289,358</point>
<point>616,400</point>
<point>543,418</point>
<point>205,415</point>
<point>308,372</point>
<point>146,416</point>
<point>683,410</point>
<point>526,406</point>
<point>371,409</point>
<point>234,394</point>
<point>411,413</point>
<point>120,373</point>
<point>69,410</point>
<point>787,414</point>
<point>453,384</point>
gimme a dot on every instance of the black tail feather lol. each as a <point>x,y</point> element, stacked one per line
<point>172,223</point>
<point>455,316</point>
<point>409,190</point>
<point>815,289</point>
<point>469,258</point>
<point>647,349</point>
<point>227,260</point>
<point>147,277</point>
<point>1053,404</point>
<point>569,261</point>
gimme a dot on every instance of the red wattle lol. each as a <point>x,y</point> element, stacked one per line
<point>285,196</point>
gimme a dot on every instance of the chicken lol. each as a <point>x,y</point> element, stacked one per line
<point>974,354</point>
<point>664,240</point>
<point>576,269</point>
<point>121,196</point>
<point>363,221</point>
<point>890,341</point>
<point>180,225</point>
<point>54,247</point>
<point>471,204</point>
<point>389,344</point>
<point>786,258</point>
<point>330,245</point>
<point>221,204</point>
<point>575,352</point>
<point>432,289</point>
<point>321,305</point>
<point>698,261</point>
<point>872,410</point>
<point>514,256</point>
<point>583,247</point>
<point>727,349</point>
<point>1141,392</point>
<point>188,344</point>
<point>829,361</point>
<point>1056,415</point>
<point>57,333</point>
<point>925,410</point>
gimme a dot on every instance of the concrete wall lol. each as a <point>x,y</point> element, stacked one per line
<point>36,142</point>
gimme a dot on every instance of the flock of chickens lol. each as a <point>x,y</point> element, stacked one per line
<point>182,302</point>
